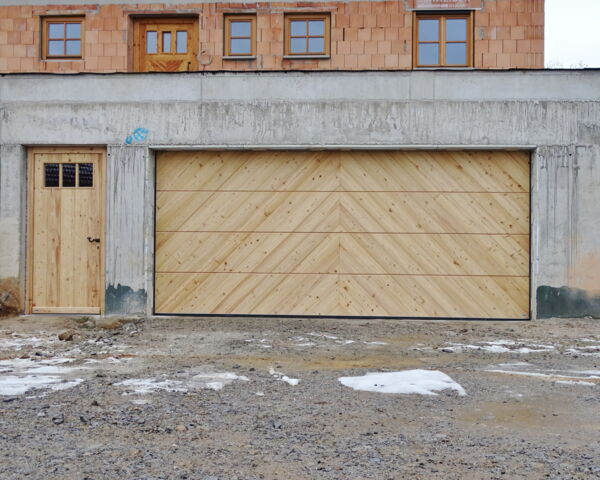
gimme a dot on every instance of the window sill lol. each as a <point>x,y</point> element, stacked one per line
<point>66,59</point>
<point>239,57</point>
<point>444,68</point>
<point>306,57</point>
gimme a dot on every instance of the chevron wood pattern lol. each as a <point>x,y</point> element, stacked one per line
<point>365,233</point>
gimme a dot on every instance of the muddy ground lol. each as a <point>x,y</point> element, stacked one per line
<point>188,398</point>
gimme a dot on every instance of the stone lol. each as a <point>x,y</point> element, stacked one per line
<point>66,336</point>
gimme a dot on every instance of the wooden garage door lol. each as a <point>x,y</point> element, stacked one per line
<point>362,233</point>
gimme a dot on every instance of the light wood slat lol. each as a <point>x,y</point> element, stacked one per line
<point>230,293</point>
<point>366,253</point>
<point>456,171</point>
<point>450,297</point>
<point>247,252</point>
<point>67,310</point>
<point>248,171</point>
<point>419,234</point>
<point>431,254</point>
<point>430,212</point>
<point>248,211</point>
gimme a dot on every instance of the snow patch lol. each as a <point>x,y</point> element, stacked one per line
<point>422,382</point>
<point>501,346</point>
<point>18,385</point>
<point>151,385</point>
<point>588,351</point>
<point>283,378</point>
<point>26,375</point>
<point>200,381</point>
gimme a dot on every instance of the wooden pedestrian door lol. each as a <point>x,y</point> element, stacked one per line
<point>165,45</point>
<point>66,231</point>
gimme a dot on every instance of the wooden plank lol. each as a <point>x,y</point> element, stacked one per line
<point>433,212</point>
<point>247,211</point>
<point>241,293</point>
<point>247,171</point>
<point>423,296</point>
<point>67,310</point>
<point>434,254</point>
<point>247,252</point>
<point>434,171</point>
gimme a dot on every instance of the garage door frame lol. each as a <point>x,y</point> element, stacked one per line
<point>533,237</point>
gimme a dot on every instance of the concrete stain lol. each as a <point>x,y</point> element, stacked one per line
<point>567,302</point>
<point>124,300</point>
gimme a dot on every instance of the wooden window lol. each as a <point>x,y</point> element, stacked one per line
<point>443,40</point>
<point>307,34</point>
<point>68,175</point>
<point>240,36</point>
<point>62,37</point>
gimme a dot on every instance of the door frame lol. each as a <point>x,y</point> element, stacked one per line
<point>29,224</point>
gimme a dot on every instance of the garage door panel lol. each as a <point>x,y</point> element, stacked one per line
<point>425,296</point>
<point>434,254</point>
<point>257,294</point>
<point>415,234</point>
<point>485,213</point>
<point>198,252</point>
<point>248,171</point>
<point>248,211</point>
<point>413,171</point>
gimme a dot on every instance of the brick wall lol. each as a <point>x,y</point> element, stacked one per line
<point>365,35</point>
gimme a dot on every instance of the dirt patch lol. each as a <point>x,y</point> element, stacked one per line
<point>10,298</point>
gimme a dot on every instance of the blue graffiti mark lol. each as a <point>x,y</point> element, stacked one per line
<point>138,135</point>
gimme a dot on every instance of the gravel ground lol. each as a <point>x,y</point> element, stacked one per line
<point>183,398</point>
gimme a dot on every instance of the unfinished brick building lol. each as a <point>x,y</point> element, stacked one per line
<point>126,36</point>
<point>351,158</point>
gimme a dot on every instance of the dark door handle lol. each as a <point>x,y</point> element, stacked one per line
<point>93,240</point>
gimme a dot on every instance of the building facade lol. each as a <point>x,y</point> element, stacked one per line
<point>445,191</point>
<point>127,36</point>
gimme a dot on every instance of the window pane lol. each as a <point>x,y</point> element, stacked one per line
<point>298,45</point>
<point>56,30</point>
<point>50,174</point>
<point>151,42</point>
<point>240,46</point>
<point>73,47</point>
<point>56,47</point>
<point>298,28</point>
<point>182,42</point>
<point>73,30</point>
<point>166,42</point>
<point>456,29</point>
<point>68,174</point>
<point>429,30</point>
<point>316,45</point>
<point>456,53</point>
<point>240,29</point>
<point>429,54</point>
<point>316,27</point>
<point>86,174</point>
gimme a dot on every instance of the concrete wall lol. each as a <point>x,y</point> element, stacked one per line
<point>556,114</point>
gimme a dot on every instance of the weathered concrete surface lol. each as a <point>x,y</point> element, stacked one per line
<point>125,234</point>
<point>12,227</point>
<point>554,114</point>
